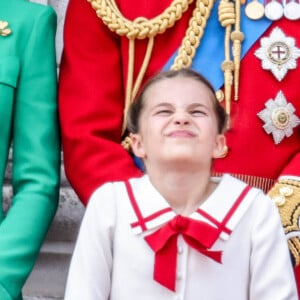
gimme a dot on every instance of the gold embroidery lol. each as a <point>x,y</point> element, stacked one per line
<point>289,210</point>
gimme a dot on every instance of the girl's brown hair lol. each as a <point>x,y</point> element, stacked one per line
<point>138,105</point>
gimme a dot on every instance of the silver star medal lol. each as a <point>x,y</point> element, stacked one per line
<point>278,53</point>
<point>279,118</point>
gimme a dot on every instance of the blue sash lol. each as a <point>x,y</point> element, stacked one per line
<point>210,53</point>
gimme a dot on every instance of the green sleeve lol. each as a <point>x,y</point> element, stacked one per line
<point>36,157</point>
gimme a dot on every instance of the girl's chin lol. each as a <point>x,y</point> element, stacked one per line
<point>180,158</point>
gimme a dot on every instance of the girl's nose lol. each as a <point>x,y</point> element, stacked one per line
<point>181,118</point>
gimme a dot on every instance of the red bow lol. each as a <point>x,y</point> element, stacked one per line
<point>199,235</point>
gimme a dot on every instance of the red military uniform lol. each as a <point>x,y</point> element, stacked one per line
<point>264,136</point>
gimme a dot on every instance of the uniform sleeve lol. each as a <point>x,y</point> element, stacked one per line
<point>271,270</point>
<point>36,157</point>
<point>286,194</point>
<point>89,275</point>
<point>91,99</point>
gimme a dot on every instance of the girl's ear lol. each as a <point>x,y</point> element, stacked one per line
<point>137,145</point>
<point>221,148</point>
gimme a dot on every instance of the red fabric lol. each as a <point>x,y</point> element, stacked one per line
<point>163,242</point>
<point>292,168</point>
<point>297,274</point>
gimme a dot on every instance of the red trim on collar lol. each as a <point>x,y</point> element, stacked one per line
<point>222,226</point>
<point>141,220</point>
<point>152,216</point>
<point>211,219</point>
<point>236,205</point>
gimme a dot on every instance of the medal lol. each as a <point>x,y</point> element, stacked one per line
<point>254,10</point>
<point>273,10</point>
<point>292,9</point>
<point>278,53</point>
<point>279,118</point>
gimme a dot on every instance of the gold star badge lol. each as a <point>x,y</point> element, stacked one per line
<point>4,29</point>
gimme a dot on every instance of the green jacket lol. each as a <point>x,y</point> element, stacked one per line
<point>28,122</point>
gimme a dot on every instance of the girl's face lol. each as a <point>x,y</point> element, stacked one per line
<point>178,124</point>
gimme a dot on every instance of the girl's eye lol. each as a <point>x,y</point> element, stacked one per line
<point>164,112</point>
<point>198,113</point>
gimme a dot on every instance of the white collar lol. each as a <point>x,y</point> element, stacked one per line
<point>153,211</point>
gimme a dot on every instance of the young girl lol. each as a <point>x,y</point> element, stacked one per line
<point>177,233</point>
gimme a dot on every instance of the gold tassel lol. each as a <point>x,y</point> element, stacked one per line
<point>237,38</point>
<point>227,19</point>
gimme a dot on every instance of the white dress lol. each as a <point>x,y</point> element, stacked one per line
<point>113,261</point>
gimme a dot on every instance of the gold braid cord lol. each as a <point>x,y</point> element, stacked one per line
<point>286,194</point>
<point>193,34</point>
<point>142,28</point>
